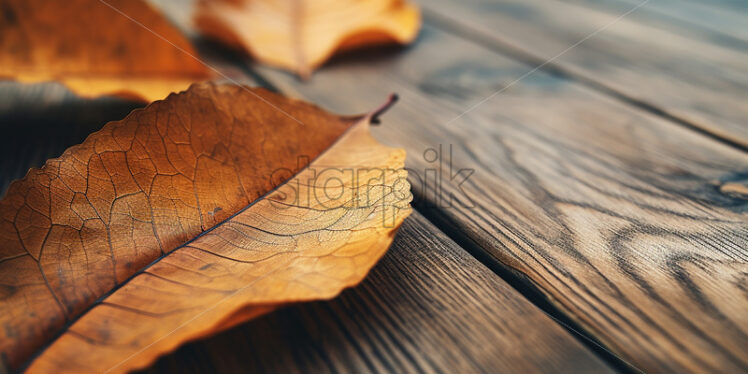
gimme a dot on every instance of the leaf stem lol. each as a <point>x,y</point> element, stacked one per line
<point>374,115</point>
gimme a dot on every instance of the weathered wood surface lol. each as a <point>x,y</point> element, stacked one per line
<point>633,225</point>
<point>721,22</point>
<point>700,82</point>
<point>428,306</point>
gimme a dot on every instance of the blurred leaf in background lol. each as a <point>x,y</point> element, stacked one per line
<point>120,47</point>
<point>301,35</point>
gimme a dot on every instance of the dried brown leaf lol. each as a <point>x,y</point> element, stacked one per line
<point>92,47</point>
<point>183,219</point>
<point>300,35</point>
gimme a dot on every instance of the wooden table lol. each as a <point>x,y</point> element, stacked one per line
<point>594,218</point>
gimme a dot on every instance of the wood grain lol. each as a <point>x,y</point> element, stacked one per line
<point>719,22</point>
<point>635,227</point>
<point>428,306</point>
<point>630,224</point>
<point>699,82</point>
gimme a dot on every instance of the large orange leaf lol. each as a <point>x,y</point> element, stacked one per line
<point>92,47</point>
<point>300,35</point>
<point>185,218</point>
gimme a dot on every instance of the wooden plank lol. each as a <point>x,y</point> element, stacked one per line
<point>428,306</point>
<point>701,83</point>
<point>632,225</point>
<point>714,21</point>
